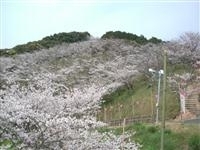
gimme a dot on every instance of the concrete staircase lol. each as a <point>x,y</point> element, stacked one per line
<point>192,102</point>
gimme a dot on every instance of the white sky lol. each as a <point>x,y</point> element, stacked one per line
<point>23,21</point>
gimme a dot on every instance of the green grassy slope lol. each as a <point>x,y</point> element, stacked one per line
<point>141,99</point>
<point>138,101</point>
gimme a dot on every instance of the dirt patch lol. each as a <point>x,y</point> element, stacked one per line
<point>185,116</point>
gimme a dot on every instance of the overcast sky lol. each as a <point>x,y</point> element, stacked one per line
<point>29,20</point>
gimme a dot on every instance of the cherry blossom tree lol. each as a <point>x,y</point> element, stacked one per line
<point>185,49</point>
<point>49,98</point>
<point>40,116</point>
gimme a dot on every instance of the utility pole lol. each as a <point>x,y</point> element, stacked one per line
<point>163,101</point>
<point>158,98</point>
<point>160,73</point>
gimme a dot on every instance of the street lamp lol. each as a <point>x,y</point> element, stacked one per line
<point>160,72</point>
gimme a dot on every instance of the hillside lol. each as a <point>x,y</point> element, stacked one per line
<point>61,89</point>
<point>106,62</point>
<point>98,60</point>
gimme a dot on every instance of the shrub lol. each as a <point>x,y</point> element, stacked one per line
<point>152,129</point>
<point>46,42</point>
<point>129,36</point>
<point>155,40</point>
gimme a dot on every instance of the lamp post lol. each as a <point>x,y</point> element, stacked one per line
<point>163,101</point>
<point>160,73</point>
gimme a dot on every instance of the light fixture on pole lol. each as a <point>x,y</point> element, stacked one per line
<point>160,72</point>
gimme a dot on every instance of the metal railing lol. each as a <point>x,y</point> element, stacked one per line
<point>136,119</point>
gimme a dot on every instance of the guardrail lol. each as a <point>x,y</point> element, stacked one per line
<point>137,119</point>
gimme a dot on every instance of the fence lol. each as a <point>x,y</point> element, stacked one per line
<point>137,119</point>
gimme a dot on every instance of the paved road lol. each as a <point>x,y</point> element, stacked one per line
<point>193,121</point>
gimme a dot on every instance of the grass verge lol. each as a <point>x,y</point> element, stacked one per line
<point>177,136</point>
